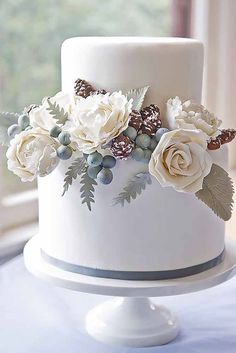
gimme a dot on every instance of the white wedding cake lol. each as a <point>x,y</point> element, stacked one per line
<point>140,163</point>
<point>163,233</point>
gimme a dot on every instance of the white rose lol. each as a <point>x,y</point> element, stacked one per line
<point>41,117</point>
<point>32,153</point>
<point>189,115</point>
<point>97,119</point>
<point>181,160</point>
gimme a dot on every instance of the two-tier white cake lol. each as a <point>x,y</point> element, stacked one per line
<point>164,233</point>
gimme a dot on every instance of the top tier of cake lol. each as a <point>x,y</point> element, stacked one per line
<point>170,66</point>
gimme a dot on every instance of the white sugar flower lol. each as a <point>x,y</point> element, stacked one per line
<point>32,153</point>
<point>189,115</point>
<point>97,119</point>
<point>181,160</point>
<point>40,116</point>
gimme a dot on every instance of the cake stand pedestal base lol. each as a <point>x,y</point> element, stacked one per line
<point>132,322</point>
<point>131,319</point>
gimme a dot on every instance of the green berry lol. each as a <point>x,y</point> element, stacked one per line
<point>138,154</point>
<point>23,121</point>
<point>153,144</point>
<point>93,171</point>
<point>94,159</point>
<point>64,138</point>
<point>64,152</point>
<point>105,176</point>
<point>108,161</point>
<point>147,156</point>
<point>160,132</point>
<point>55,131</point>
<point>131,132</point>
<point>143,140</point>
<point>13,130</point>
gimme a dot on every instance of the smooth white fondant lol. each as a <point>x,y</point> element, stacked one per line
<point>36,264</point>
<point>162,229</point>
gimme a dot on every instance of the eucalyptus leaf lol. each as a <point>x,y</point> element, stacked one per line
<point>77,168</point>
<point>217,192</point>
<point>138,95</point>
<point>134,188</point>
<point>6,120</point>
<point>87,189</point>
<point>57,112</point>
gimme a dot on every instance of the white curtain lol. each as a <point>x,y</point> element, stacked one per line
<point>214,23</point>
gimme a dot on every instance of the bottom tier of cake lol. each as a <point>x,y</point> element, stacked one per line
<point>162,234</point>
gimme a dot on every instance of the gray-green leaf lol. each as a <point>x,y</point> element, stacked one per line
<point>87,189</point>
<point>6,120</point>
<point>217,192</point>
<point>138,95</point>
<point>77,168</point>
<point>57,112</point>
<point>134,187</point>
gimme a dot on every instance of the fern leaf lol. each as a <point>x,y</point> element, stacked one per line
<point>134,188</point>
<point>138,95</point>
<point>87,189</point>
<point>57,112</point>
<point>77,168</point>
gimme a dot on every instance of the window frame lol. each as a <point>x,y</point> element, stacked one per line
<point>181,18</point>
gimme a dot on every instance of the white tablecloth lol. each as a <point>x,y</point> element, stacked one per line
<point>39,318</point>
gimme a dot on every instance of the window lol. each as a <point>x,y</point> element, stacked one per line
<point>31,34</point>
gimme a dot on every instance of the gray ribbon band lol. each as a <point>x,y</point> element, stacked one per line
<point>133,275</point>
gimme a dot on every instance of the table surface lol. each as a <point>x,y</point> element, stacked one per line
<point>39,318</point>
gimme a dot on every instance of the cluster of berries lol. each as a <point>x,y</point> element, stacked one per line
<point>64,151</point>
<point>99,167</point>
<point>23,124</point>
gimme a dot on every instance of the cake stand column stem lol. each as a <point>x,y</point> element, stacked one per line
<point>134,322</point>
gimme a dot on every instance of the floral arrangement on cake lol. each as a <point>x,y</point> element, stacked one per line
<point>96,129</point>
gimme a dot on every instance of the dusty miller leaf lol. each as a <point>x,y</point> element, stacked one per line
<point>77,168</point>
<point>6,120</point>
<point>138,95</point>
<point>87,189</point>
<point>217,192</point>
<point>57,112</point>
<point>134,187</point>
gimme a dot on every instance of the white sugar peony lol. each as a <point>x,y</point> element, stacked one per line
<point>32,153</point>
<point>97,119</point>
<point>41,117</point>
<point>181,160</point>
<point>189,115</point>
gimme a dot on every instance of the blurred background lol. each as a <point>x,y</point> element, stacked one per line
<point>31,34</point>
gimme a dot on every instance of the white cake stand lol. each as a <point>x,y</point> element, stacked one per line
<point>131,320</point>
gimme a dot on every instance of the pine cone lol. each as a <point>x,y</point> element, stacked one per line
<point>214,144</point>
<point>83,88</point>
<point>227,135</point>
<point>151,120</point>
<point>135,120</point>
<point>121,147</point>
<point>100,91</point>
<point>151,109</point>
<point>224,137</point>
